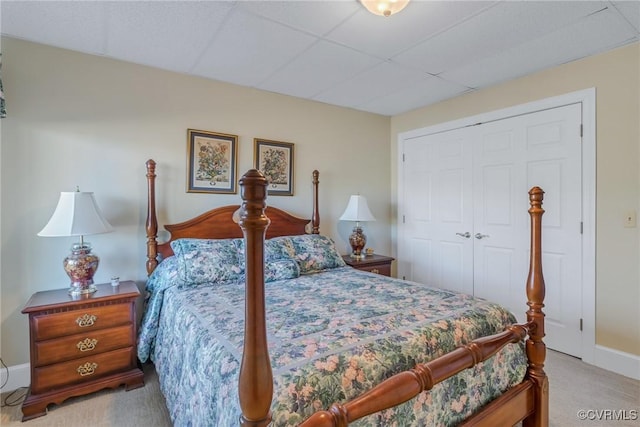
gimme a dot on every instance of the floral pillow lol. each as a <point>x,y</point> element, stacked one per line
<point>274,249</point>
<point>204,260</point>
<point>314,253</point>
<point>281,269</point>
<point>278,256</point>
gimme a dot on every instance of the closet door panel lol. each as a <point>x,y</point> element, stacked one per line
<point>466,228</point>
<point>437,209</point>
<point>553,162</point>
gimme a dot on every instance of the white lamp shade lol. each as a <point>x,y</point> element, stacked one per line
<point>77,214</point>
<point>357,210</point>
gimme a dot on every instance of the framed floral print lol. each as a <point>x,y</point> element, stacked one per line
<point>211,162</point>
<point>275,160</point>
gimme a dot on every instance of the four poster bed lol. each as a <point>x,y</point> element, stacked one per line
<point>314,331</point>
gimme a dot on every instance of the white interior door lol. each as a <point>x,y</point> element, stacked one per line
<point>437,246</point>
<point>475,180</point>
<point>511,155</point>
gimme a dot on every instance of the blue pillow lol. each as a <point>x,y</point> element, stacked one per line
<point>207,260</point>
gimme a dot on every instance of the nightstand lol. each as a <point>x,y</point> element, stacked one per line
<point>375,263</point>
<point>81,344</point>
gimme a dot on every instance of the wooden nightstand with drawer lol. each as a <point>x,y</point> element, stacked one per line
<point>81,344</point>
<point>374,263</point>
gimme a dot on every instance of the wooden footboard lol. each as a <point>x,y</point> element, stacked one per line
<point>527,401</point>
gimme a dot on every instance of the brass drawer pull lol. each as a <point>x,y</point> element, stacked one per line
<point>87,369</point>
<point>87,344</point>
<point>86,320</point>
<point>375,270</point>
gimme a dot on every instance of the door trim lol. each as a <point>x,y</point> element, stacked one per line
<point>587,98</point>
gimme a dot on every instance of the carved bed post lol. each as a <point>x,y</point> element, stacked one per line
<point>152,221</point>
<point>255,386</point>
<point>536,349</point>
<point>315,217</point>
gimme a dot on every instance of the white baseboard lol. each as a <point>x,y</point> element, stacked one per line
<point>622,363</point>
<point>19,376</point>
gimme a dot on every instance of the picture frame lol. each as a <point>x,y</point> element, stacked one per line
<point>275,160</point>
<point>212,162</point>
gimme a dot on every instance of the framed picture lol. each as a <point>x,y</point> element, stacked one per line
<point>275,160</point>
<point>212,162</point>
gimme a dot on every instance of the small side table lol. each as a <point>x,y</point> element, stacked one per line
<point>81,344</point>
<point>379,264</point>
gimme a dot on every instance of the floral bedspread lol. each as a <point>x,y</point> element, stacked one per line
<point>332,335</point>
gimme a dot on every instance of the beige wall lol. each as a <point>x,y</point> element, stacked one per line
<point>616,77</point>
<point>82,120</point>
<point>76,119</point>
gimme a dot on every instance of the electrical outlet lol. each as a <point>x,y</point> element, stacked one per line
<point>630,220</point>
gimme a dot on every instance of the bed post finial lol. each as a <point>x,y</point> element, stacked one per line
<point>255,385</point>
<point>152,221</point>
<point>536,349</point>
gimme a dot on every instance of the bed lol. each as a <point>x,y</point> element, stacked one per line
<point>252,318</point>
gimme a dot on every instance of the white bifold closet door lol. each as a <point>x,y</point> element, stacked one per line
<point>464,223</point>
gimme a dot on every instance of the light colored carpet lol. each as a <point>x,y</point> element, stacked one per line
<point>573,386</point>
<point>140,407</point>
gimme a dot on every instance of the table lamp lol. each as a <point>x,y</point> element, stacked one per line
<point>77,214</point>
<point>357,210</point>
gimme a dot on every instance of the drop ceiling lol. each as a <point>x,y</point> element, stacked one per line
<point>335,52</point>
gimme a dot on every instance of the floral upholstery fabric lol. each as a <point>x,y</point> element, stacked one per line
<point>331,335</point>
<point>203,260</point>
<point>274,249</point>
<point>315,253</point>
<point>280,269</point>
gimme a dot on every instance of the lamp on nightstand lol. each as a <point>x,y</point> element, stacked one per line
<point>357,210</point>
<point>77,214</point>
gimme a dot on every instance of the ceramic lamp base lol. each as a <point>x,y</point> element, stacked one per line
<point>80,266</point>
<point>357,240</point>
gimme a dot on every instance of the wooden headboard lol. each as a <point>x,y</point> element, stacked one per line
<point>219,223</point>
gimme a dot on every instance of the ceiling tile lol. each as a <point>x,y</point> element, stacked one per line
<point>496,29</point>
<point>76,26</point>
<point>377,81</point>
<point>428,91</point>
<point>315,17</point>
<point>631,11</point>
<point>593,34</point>
<point>247,49</point>
<point>386,37</point>
<point>318,68</point>
<point>167,34</point>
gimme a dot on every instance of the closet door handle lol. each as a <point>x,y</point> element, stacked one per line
<point>466,234</point>
<point>480,236</point>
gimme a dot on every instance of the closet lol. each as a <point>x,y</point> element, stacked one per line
<point>463,221</point>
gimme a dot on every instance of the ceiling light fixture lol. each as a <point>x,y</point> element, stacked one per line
<point>384,7</point>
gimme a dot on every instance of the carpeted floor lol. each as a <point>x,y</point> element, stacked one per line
<point>574,386</point>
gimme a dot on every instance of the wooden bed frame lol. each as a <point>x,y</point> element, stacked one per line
<point>527,402</point>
